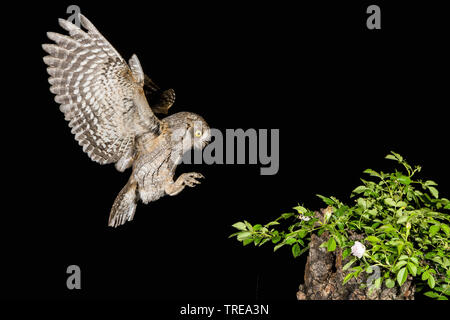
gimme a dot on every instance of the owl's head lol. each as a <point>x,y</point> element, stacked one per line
<point>190,129</point>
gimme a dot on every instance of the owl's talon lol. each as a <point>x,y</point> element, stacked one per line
<point>190,179</point>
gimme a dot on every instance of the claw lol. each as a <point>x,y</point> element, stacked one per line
<point>190,179</point>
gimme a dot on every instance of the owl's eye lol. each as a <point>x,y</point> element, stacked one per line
<point>198,133</point>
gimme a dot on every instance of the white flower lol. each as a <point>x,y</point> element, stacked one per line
<point>304,218</point>
<point>358,249</point>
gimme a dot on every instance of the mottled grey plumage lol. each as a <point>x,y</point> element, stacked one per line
<point>104,99</point>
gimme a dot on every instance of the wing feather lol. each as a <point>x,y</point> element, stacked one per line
<point>136,69</point>
<point>97,92</point>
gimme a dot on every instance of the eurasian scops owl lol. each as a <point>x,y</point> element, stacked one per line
<point>104,98</point>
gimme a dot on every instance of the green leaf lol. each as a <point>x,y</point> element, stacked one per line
<point>372,239</point>
<point>243,235</point>
<point>240,226</point>
<point>445,228</point>
<point>347,278</point>
<point>278,246</point>
<point>328,201</point>
<point>431,294</point>
<point>390,202</point>
<point>345,253</point>
<point>399,157</point>
<point>412,268</point>
<point>390,283</point>
<point>402,275</point>
<point>401,204</point>
<point>414,260</point>
<point>362,203</point>
<point>348,265</point>
<point>434,229</point>
<point>372,173</point>
<point>378,282</point>
<point>390,157</point>
<point>431,281</point>
<point>296,250</point>
<point>447,206</point>
<point>257,227</point>
<point>290,240</point>
<point>399,265</point>
<point>430,183</point>
<point>249,226</point>
<point>404,180</point>
<point>387,228</point>
<point>430,255</point>
<point>287,215</point>
<point>302,233</point>
<point>402,219</point>
<point>272,223</point>
<point>331,244</point>
<point>425,275</point>
<point>400,248</point>
<point>359,189</point>
<point>300,209</point>
<point>434,192</point>
<point>233,234</point>
<point>303,250</point>
<point>247,241</point>
<point>276,239</point>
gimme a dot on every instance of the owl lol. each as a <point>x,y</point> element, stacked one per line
<point>104,99</point>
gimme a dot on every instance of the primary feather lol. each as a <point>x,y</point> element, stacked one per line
<point>99,93</point>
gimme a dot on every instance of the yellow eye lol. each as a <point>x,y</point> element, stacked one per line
<point>198,133</point>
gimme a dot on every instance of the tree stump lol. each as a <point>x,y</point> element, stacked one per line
<point>324,276</point>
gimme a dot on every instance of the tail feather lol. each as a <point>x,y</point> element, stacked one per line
<point>124,206</point>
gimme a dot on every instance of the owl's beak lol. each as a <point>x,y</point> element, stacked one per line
<point>208,137</point>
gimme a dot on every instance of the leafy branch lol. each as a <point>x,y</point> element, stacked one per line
<point>404,222</point>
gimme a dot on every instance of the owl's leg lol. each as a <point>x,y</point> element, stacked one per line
<point>186,179</point>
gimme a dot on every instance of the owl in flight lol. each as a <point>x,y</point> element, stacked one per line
<point>104,100</point>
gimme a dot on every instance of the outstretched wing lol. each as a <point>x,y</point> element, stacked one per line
<point>99,94</point>
<point>160,102</point>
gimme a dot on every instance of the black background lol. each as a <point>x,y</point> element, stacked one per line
<point>342,96</point>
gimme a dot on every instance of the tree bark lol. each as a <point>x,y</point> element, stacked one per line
<point>324,276</point>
